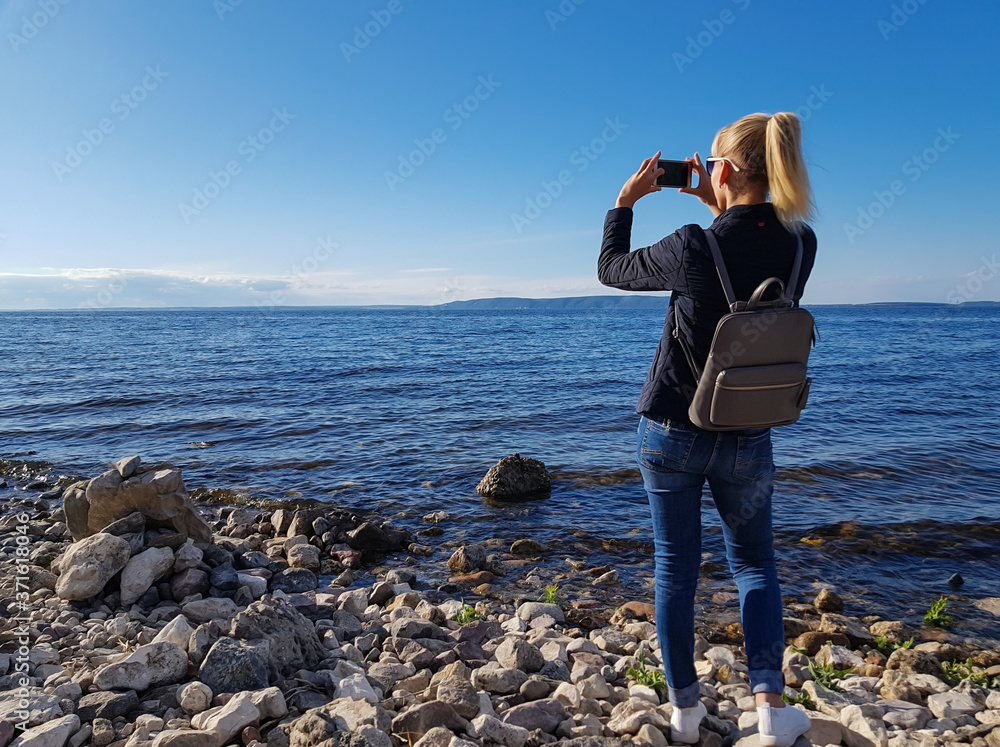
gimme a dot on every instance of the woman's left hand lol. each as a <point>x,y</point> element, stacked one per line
<point>641,183</point>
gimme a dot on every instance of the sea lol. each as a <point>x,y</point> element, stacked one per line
<point>887,486</point>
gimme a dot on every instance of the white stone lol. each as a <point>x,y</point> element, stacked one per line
<point>860,731</point>
<point>212,608</point>
<point>357,687</point>
<point>642,692</point>
<point>187,556</point>
<point>952,704</point>
<point>142,571</point>
<point>177,631</point>
<point>256,585</point>
<point>514,625</point>
<point>229,720</point>
<point>303,556</point>
<point>568,694</point>
<point>824,730</point>
<point>160,663</point>
<point>89,564</point>
<point>270,702</point>
<point>721,656</point>
<point>530,610</point>
<point>195,697</point>
<point>839,657</point>
<point>491,729</point>
<point>51,734</point>
<point>993,700</point>
<point>992,716</point>
<point>630,716</point>
<point>650,735</point>
<point>41,707</point>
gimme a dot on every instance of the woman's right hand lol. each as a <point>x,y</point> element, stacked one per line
<point>703,191</point>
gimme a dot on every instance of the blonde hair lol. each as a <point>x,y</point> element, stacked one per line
<point>768,151</point>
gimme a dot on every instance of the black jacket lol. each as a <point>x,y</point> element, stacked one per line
<point>754,245</point>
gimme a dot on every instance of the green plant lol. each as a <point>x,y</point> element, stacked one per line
<point>883,644</point>
<point>825,674</point>
<point>935,617</point>
<point>801,698</point>
<point>551,594</point>
<point>649,677</point>
<point>465,614</point>
<point>956,671</point>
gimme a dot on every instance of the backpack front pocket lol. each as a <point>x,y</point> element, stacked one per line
<point>754,396</point>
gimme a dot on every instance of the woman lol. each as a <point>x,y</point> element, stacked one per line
<point>751,158</point>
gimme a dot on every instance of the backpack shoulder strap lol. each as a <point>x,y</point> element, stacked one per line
<point>793,280</point>
<point>720,267</point>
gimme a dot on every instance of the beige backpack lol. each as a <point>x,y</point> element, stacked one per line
<point>755,374</point>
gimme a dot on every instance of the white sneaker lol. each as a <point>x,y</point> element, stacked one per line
<point>780,727</point>
<point>684,723</point>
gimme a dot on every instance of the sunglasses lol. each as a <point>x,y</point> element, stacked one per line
<point>710,163</point>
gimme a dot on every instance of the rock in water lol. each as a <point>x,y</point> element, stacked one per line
<point>158,494</point>
<point>89,564</point>
<point>515,477</point>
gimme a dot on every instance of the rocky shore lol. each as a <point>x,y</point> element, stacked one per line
<point>132,616</point>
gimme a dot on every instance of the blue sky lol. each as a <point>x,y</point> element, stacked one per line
<point>241,153</point>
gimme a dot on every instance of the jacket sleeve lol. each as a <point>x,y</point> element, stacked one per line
<point>652,268</point>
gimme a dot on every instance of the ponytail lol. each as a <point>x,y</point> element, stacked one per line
<point>768,150</point>
<point>787,179</point>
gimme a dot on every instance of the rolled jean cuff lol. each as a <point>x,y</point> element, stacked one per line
<point>686,697</point>
<point>767,681</point>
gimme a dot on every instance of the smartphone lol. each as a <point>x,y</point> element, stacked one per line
<point>675,174</point>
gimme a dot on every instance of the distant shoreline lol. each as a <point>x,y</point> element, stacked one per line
<point>502,303</point>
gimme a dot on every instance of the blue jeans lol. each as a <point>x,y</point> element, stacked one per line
<point>675,460</point>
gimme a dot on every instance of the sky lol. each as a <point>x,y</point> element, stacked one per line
<point>256,152</point>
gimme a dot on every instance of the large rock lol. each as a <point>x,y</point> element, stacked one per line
<point>417,720</point>
<point>229,720</point>
<point>861,730</point>
<point>161,663</point>
<point>41,707</point>
<point>142,571</point>
<point>158,494</point>
<point>517,653</point>
<point>910,661</point>
<point>211,608</point>
<point>467,558</point>
<point>292,640</point>
<point>350,715</point>
<point>492,730</point>
<point>528,611</point>
<point>952,704</point>
<point>460,695</point>
<point>51,734</point>
<point>855,631</point>
<point>544,714</point>
<point>515,477</point>
<point>840,658</point>
<point>89,564</point>
<point>234,666</point>
<point>630,716</point>
<point>499,680</point>
<point>107,705</point>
